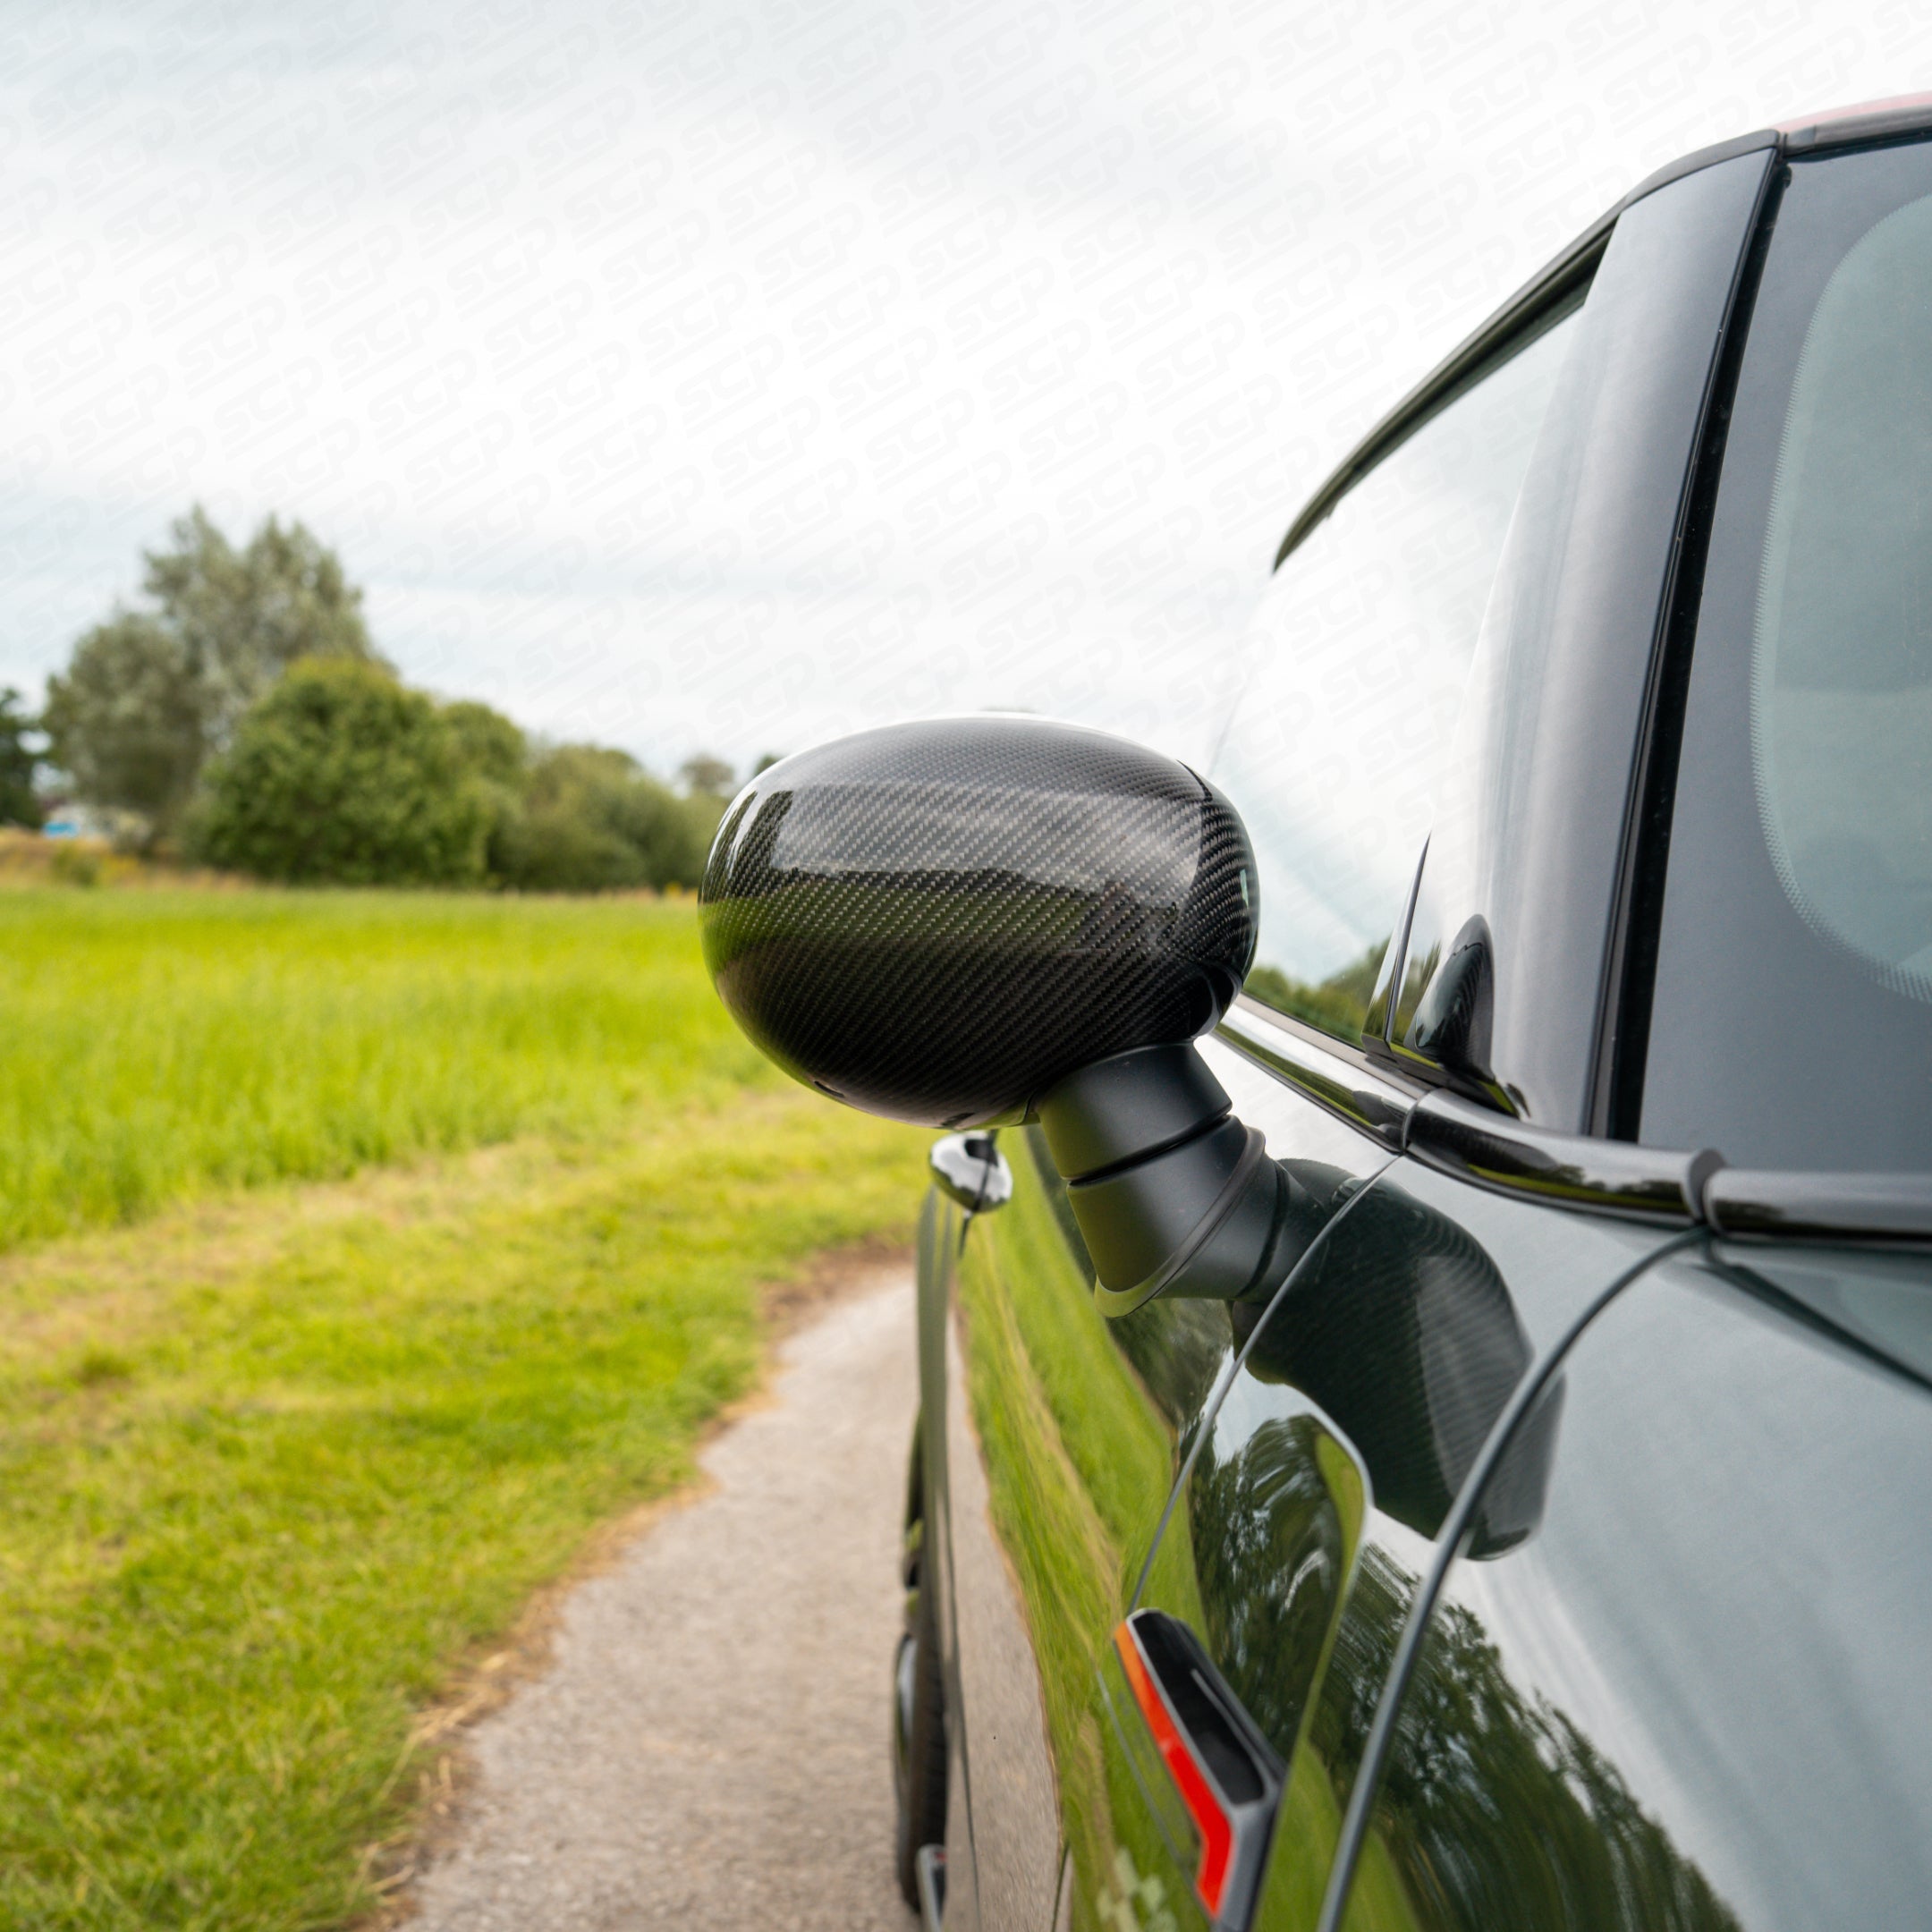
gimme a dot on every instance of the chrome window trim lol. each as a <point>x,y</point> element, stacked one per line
<point>1666,1186</point>
<point>1889,1210</point>
<point>1660,1184</point>
<point>1333,1076</point>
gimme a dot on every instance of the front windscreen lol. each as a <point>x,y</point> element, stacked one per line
<point>1842,669</point>
<point>1792,1016</point>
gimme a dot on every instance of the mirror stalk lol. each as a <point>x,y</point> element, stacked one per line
<point>1172,1194</point>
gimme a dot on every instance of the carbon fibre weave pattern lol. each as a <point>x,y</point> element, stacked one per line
<point>936,921</point>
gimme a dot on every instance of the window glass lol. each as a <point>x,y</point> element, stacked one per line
<point>1842,672</point>
<point>1355,668</point>
<point>1790,1021</point>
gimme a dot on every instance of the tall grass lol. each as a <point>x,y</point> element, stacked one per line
<point>155,1045</point>
<point>270,1469</point>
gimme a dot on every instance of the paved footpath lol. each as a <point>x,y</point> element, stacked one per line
<point>709,1747</point>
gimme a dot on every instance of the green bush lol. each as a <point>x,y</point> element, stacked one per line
<point>340,775</point>
<point>593,820</point>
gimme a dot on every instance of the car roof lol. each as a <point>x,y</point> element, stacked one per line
<point>1838,127</point>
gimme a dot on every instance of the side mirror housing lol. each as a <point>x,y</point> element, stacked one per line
<point>972,922</point>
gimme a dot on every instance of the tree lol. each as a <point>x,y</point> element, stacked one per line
<point>18,804</point>
<point>338,775</point>
<point>706,776</point>
<point>488,742</point>
<point>149,695</point>
<point>497,753</point>
<point>708,786</point>
<point>594,821</point>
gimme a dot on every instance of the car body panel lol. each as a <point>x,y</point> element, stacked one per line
<point>1340,1450</point>
<point>1681,1702</point>
<point>1537,1742</point>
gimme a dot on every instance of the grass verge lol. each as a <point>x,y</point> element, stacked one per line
<point>274,1462</point>
<point>161,1045</point>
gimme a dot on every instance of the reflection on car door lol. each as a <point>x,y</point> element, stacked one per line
<point>1065,1436</point>
<point>1312,1514</point>
<point>1695,1697</point>
<point>1062,1436</point>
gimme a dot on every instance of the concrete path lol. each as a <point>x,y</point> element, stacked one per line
<point>710,1745</point>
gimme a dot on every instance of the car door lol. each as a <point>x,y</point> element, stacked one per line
<point>1692,1695</point>
<point>1695,1695</point>
<point>1066,1433</point>
<point>1310,1514</point>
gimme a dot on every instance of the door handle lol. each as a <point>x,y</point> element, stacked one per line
<point>1226,1775</point>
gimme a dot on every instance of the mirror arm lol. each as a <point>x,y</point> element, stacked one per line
<point>1171,1194</point>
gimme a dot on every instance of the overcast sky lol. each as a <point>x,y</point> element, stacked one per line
<point>727,375</point>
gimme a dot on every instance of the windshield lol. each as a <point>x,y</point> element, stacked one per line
<point>1792,1017</point>
<point>1842,673</point>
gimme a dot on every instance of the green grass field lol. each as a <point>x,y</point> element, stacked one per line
<point>285,1445</point>
<point>155,1045</point>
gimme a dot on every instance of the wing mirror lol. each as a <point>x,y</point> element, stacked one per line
<point>973,922</point>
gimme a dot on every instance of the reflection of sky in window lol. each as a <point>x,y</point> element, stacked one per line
<point>1359,654</point>
<point>1842,676</point>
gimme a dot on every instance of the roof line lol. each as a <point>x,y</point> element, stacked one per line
<point>1547,288</point>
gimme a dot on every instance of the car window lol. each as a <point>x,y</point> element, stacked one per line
<point>1791,1024</point>
<point>1354,669</point>
<point>1841,654</point>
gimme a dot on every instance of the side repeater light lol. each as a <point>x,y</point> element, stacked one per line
<point>1228,1778</point>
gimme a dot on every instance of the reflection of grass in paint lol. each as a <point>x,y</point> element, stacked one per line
<point>1119,1448</point>
<point>1078,1465</point>
<point>1306,1837</point>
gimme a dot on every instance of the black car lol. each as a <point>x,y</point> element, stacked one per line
<point>1426,1309</point>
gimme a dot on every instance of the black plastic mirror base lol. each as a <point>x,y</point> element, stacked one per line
<point>1172,1194</point>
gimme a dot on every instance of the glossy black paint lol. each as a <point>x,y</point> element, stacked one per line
<point>1531,834</point>
<point>1316,1506</point>
<point>1063,1437</point>
<point>1693,1699</point>
<point>937,921</point>
<point>1333,1164</point>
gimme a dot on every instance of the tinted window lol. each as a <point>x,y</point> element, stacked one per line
<point>1695,1697</point>
<point>1842,649</point>
<point>1792,1022</point>
<point>1355,671</point>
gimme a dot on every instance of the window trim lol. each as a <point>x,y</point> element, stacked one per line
<point>1470,360</point>
<point>1621,1049</point>
<point>1535,307</point>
